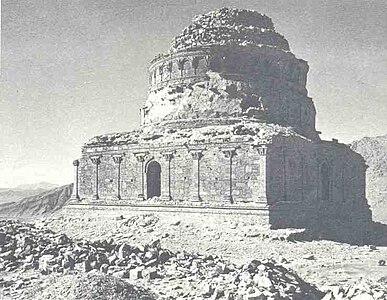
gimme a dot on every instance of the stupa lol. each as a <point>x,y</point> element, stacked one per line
<point>228,125</point>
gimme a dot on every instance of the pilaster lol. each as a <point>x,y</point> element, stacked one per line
<point>75,193</point>
<point>195,191</point>
<point>140,156</point>
<point>262,152</point>
<point>229,153</point>
<point>117,158</point>
<point>166,177</point>
<point>96,160</point>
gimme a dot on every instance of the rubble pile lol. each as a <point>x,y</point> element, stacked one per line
<point>87,286</point>
<point>227,26</point>
<point>361,290</point>
<point>255,280</point>
<point>253,132</point>
<point>146,220</point>
<point>172,275</point>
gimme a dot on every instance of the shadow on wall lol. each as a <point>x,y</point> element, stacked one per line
<point>354,233</point>
<point>332,223</point>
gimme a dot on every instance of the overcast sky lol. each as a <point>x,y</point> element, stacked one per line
<point>75,69</point>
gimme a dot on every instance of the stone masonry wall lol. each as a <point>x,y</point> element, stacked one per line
<point>289,170</point>
<point>287,175</point>
<point>231,83</point>
<point>295,181</point>
<point>192,66</point>
<point>247,173</point>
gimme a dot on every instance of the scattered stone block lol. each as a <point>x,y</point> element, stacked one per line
<point>86,266</point>
<point>8,255</point>
<point>124,251</point>
<point>68,262</point>
<point>150,273</point>
<point>104,268</point>
<point>256,296</point>
<point>151,263</point>
<point>309,257</point>
<point>112,259</point>
<point>62,239</point>
<point>164,256</point>
<point>135,273</point>
<point>121,274</point>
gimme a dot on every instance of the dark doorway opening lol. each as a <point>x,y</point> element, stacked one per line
<point>325,182</point>
<point>153,179</point>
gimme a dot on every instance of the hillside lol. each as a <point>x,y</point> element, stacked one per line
<point>374,151</point>
<point>37,205</point>
<point>36,186</point>
<point>12,195</point>
<point>8,195</point>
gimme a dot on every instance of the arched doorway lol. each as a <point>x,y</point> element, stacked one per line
<point>325,182</point>
<point>153,179</point>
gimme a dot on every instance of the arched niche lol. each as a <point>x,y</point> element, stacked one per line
<point>153,179</point>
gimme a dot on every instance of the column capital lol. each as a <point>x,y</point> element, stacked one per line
<point>76,163</point>
<point>228,152</point>
<point>117,158</point>
<point>196,151</point>
<point>167,155</point>
<point>96,159</point>
<point>196,154</point>
<point>262,150</point>
<point>140,156</point>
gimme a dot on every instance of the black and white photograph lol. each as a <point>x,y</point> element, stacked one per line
<point>192,150</point>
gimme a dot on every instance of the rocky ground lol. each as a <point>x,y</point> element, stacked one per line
<point>146,257</point>
<point>29,253</point>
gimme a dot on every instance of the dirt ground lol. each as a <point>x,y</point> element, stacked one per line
<point>321,262</point>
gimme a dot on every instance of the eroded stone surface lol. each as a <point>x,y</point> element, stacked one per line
<point>228,122</point>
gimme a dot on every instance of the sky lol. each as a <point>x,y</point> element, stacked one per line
<point>73,69</point>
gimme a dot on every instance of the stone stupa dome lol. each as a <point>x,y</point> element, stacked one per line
<point>230,26</point>
<point>227,129</point>
<point>229,65</point>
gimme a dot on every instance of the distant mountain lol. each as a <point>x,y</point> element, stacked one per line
<point>37,186</point>
<point>38,205</point>
<point>8,195</point>
<point>374,151</point>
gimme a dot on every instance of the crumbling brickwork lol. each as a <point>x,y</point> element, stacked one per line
<point>228,123</point>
